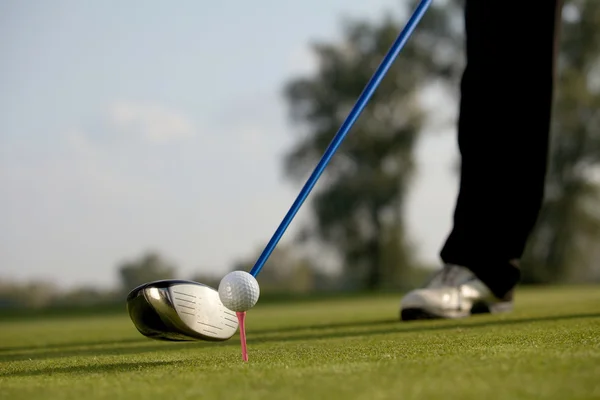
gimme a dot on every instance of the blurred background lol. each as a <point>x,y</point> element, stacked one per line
<point>152,140</point>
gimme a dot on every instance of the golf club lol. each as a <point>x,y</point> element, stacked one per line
<point>183,310</point>
<point>180,310</point>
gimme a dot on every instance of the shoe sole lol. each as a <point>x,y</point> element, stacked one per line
<point>417,314</point>
<point>414,314</point>
<point>495,308</point>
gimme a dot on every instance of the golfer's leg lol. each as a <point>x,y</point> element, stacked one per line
<point>503,132</point>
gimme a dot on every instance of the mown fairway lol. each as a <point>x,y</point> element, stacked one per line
<point>548,348</point>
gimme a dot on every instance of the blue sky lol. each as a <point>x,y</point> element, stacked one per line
<point>128,126</point>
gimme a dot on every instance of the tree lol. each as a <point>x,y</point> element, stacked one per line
<point>286,271</point>
<point>358,208</point>
<point>34,294</point>
<point>149,267</point>
<point>564,244</point>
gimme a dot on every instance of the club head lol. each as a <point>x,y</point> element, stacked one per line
<point>180,310</point>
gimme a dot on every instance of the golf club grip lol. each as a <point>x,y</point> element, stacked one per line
<point>343,131</point>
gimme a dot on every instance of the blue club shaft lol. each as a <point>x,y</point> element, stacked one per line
<point>359,106</point>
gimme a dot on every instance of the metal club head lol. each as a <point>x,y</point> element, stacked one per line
<point>180,310</point>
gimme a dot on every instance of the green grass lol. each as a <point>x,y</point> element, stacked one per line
<point>548,348</point>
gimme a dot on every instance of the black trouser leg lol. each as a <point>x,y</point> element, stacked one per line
<point>503,135</point>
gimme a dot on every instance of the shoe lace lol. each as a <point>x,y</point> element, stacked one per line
<point>447,276</point>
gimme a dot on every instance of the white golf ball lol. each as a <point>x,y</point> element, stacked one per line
<point>239,291</point>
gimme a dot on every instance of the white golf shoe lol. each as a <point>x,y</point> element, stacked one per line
<point>453,292</point>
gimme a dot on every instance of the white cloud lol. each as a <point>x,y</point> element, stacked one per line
<point>153,122</point>
<point>302,61</point>
<point>86,201</point>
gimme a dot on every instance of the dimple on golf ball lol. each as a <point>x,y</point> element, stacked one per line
<point>239,291</point>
